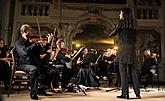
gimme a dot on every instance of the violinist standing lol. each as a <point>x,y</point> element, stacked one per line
<point>126,53</point>
<point>28,60</point>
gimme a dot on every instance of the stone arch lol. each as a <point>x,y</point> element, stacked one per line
<point>92,18</point>
<point>76,26</point>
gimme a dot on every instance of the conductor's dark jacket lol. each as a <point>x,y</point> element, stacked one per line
<point>126,43</point>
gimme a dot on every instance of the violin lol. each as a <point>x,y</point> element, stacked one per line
<point>41,41</point>
<point>66,51</point>
<point>38,39</point>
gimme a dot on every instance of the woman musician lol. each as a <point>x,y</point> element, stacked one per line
<point>86,76</point>
<point>5,70</point>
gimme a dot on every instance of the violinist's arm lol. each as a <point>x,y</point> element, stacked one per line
<point>22,49</point>
<point>78,61</point>
<point>45,48</point>
<point>67,58</point>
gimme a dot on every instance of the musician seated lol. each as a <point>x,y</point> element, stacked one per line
<point>86,75</point>
<point>30,61</point>
<point>149,67</point>
<point>5,70</point>
<point>62,59</point>
<point>45,60</point>
<point>48,74</point>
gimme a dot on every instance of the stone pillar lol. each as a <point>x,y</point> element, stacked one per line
<point>16,25</point>
<point>162,64</point>
<point>4,19</point>
<point>1,8</point>
<point>130,4</point>
<point>11,21</point>
<point>68,38</point>
<point>68,42</point>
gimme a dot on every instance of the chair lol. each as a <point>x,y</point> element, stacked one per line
<point>155,78</point>
<point>18,77</point>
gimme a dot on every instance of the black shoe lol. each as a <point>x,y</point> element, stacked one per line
<point>123,97</point>
<point>34,96</point>
<point>43,93</point>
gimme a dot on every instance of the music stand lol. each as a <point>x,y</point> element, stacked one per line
<point>115,71</point>
<point>74,83</point>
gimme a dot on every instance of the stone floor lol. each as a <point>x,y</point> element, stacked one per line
<point>152,94</point>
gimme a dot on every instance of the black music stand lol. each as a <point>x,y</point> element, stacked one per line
<point>74,83</point>
<point>115,71</point>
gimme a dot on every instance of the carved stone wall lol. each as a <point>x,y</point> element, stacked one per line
<point>74,16</point>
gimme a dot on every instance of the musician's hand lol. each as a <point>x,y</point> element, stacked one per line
<point>50,37</point>
<point>92,64</point>
<point>67,55</point>
<point>79,62</point>
<point>109,62</point>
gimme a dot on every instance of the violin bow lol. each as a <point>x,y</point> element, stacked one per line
<point>39,30</point>
<point>78,52</point>
<point>54,32</point>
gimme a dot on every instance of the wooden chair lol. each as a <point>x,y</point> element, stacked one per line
<point>18,77</point>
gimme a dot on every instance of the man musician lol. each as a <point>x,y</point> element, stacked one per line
<point>30,61</point>
<point>149,66</point>
<point>61,59</point>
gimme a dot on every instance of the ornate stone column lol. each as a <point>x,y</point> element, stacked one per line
<point>1,8</point>
<point>162,64</point>
<point>69,37</point>
<point>4,19</point>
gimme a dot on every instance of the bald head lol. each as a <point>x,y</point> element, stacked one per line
<point>25,31</point>
<point>25,28</point>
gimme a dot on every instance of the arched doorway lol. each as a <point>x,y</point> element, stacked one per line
<point>93,37</point>
<point>92,31</point>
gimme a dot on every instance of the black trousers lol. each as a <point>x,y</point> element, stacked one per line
<point>149,73</point>
<point>33,71</point>
<point>5,73</point>
<point>126,70</point>
<point>47,74</point>
<point>66,76</point>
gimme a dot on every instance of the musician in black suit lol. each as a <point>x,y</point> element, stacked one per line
<point>62,59</point>
<point>1,99</point>
<point>29,60</point>
<point>126,55</point>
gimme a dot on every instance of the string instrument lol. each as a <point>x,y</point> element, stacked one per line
<point>66,51</point>
<point>38,39</point>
